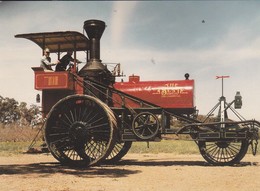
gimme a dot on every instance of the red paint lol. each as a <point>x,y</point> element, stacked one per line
<point>166,94</point>
<point>53,80</point>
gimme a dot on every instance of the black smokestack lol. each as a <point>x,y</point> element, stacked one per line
<point>94,30</point>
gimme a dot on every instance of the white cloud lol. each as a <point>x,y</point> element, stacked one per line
<point>122,11</point>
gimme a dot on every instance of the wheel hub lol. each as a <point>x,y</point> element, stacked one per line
<point>77,132</point>
<point>222,144</point>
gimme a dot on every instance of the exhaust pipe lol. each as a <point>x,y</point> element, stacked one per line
<point>94,30</point>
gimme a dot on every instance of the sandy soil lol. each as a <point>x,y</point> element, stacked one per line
<point>137,172</point>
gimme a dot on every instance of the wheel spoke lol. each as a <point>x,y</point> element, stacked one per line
<point>97,126</point>
<point>229,154</point>
<point>70,120</point>
<point>58,134</point>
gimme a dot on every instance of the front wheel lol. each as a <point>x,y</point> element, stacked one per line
<point>223,152</point>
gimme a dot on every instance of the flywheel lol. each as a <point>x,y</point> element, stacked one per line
<point>145,125</point>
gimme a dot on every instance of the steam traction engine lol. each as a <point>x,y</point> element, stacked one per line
<point>91,118</point>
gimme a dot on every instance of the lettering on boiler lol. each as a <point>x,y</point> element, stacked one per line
<point>171,90</point>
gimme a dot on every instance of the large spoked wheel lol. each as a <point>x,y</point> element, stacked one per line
<point>145,125</point>
<point>119,151</point>
<point>223,152</point>
<point>80,130</point>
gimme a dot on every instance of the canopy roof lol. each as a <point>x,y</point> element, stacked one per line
<point>59,41</point>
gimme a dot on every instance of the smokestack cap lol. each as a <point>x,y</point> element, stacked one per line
<point>94,28</point>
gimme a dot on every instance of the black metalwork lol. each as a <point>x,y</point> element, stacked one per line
<point>145,125</point>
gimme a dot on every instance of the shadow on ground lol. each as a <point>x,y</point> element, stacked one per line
<point>46,169</point>
<point>153,162</point>
<point>121,169</point>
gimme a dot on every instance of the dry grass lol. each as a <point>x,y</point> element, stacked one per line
<point>16,140</point>
<point>13,133</point>
<point>13,148</point>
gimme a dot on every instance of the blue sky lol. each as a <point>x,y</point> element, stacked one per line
<point>158,40</point>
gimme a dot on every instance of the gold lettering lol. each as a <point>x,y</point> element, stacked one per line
<point>51,80</point>
<point>170,90</point>
<point>173,89</point>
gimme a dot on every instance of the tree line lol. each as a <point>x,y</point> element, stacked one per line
<point>13,112</point>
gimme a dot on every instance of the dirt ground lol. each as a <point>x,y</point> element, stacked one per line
<point>137,172</point>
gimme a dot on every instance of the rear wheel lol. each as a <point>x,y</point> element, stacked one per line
<point>223,152</point>
<point>119,151</point>
<point>80,130</point>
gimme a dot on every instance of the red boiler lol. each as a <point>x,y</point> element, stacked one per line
<point>177,95</point>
